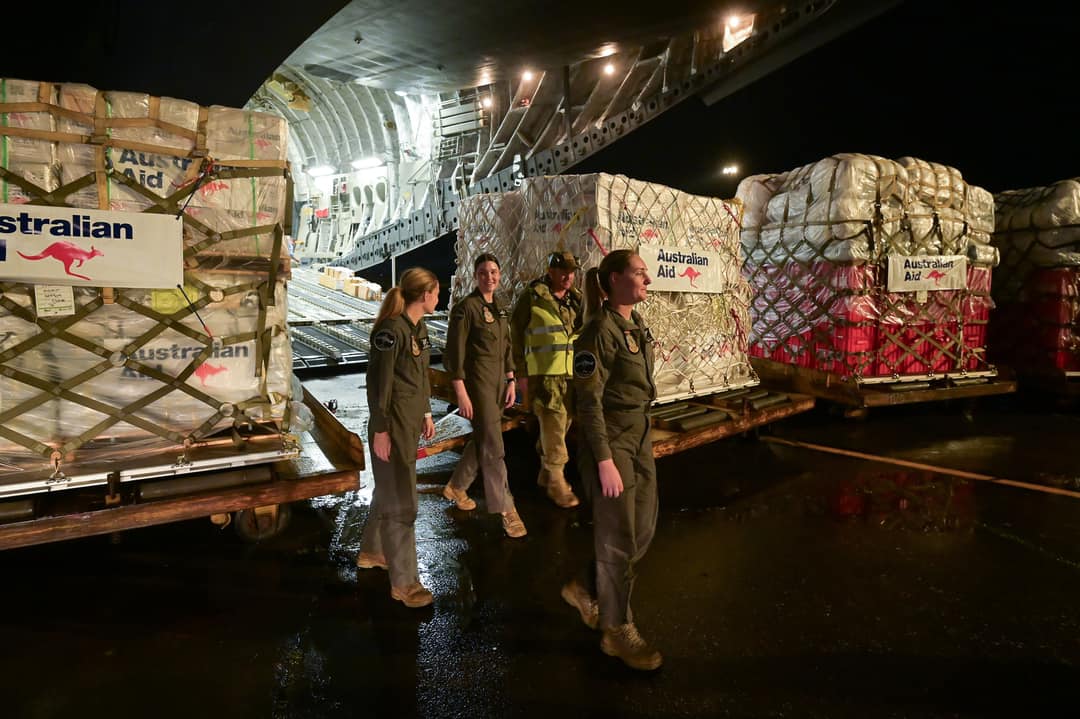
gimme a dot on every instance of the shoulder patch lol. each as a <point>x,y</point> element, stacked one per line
<point>584,364</point>
<point>383,340</point>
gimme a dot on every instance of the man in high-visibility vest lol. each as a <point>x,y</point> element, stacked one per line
<point>545,322</point>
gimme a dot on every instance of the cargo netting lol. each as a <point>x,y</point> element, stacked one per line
<point>137,370</point>
<point>1036,324</point>
<point>818,242</point>
<point>701,338</point>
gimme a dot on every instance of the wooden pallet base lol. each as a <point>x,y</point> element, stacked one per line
<point>845,390</point>
<point>329,463</point>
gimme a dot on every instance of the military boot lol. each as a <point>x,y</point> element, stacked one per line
<point>558,489</point>
<point>625,643</point>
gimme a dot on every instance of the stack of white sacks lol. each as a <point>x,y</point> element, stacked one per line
<point>151,141</point>
<point>1036,227</point>
<point>817,239</point>
<point>701,338</point>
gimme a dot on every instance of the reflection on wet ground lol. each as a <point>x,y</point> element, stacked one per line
<point>782,582</point>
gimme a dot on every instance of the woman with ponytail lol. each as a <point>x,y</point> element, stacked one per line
<point>613,368</point>
<point>398,393</point>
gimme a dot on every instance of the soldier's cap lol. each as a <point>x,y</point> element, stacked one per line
<point>563,261</point>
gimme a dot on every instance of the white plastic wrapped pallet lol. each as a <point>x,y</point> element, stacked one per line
<point>488,223</point>
<point>701,338</point>
<point>152,142</point>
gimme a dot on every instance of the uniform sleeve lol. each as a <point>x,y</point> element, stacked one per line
<point>457,337</point>
<point>385,345</point>
<point>519,321</point>
<point>592,355</point>
<point>509,365</point>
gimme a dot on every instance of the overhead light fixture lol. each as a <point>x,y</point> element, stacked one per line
<point>730,170</point>
<point>320,170</point>
<point>737,29</point>
<point>527,76</point>
<point>609,69</point>
<point>367,163</point>
<point>401,93</point>
<point>486,102</point>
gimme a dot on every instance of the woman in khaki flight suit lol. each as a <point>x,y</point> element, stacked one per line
<point>481,370</point>
<point>398,392</point>
<point>613,366</point>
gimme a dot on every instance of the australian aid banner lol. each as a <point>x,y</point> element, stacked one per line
<point>922,273</point>
<point>71,246</point>
<point>678,269</point>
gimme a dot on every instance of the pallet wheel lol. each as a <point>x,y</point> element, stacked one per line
<point>259,523</point>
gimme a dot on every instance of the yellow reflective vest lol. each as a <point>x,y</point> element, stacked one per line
<point>545,342</point>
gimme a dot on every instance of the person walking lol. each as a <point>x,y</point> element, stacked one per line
<point>398,393</point>
<point>481,369</point>
<point>545,321</point>
<point>613,383</point>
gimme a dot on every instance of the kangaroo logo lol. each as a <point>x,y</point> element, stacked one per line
<point>936,276</point>
<point>648,233</point>
<point>69,254</point>
<point>692,274</point>
<point>206,370</point>
<point>212,188</point>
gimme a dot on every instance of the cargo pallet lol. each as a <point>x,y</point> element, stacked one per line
<point>678,426</point>
<point>884,391</point>
<point>255,495</point>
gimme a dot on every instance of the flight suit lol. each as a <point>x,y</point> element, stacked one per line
<point>478,352</point>
<point>398,392</point>
<point>613,370</point>
<point>550,386</point>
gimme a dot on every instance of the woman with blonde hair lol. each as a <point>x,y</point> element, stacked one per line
<point>481,369</point>
<point>613,381</point>
<point>398,392</point>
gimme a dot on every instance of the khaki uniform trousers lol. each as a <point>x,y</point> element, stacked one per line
<point>391,524</point>
<point>484,452</point>
<point>623,526</point>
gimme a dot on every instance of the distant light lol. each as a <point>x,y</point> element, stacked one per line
<point>321,171</point>
<point>527,76</point>
<point>737,29</point>
<point>486,102</point>
<point>730,170</point>
<point>367,163</point>
<point>401,93</point>
<point>609,69</point>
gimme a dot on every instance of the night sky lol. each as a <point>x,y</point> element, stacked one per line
<point>990,91</point>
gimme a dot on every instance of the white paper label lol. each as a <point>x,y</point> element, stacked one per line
<point>54,300</point>
<point>678,269</point>
<point>71,246</point>
<point>927,273</point>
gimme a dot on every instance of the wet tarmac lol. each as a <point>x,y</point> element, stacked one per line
<point>782,583</point>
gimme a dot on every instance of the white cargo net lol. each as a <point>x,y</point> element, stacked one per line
<point>701,338</point>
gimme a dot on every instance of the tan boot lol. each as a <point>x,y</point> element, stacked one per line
<point>576,596</point>
<point>459,498</point>
<point>558,489</point>
<point>415,595</point>
<point>625,643</point>
<point>512,524</point>
<point>367,560</point>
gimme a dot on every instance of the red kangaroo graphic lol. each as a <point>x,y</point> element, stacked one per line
<point>68,253</point>
<point>648,233</point>
<point>936,276</point>
<point>206,370</point>
<point>692,274</point>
